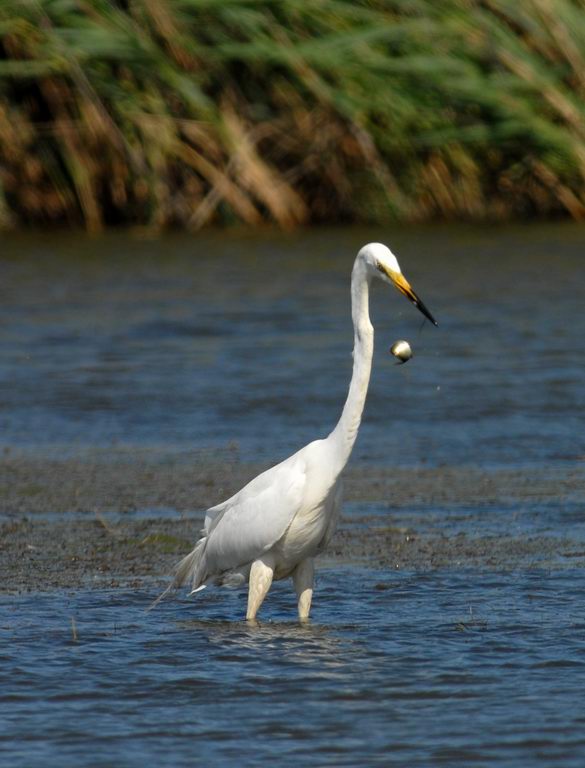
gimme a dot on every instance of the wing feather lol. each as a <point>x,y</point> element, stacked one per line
<point>248,524</point>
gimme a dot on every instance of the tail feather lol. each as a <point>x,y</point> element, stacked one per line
<point>190,569</point>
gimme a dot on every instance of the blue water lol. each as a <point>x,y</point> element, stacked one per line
<point>243,344</point>
<point>395,669</point>
<point>213,341</point>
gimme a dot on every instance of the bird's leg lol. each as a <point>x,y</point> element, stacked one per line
<point>261,574</point>
<point>303,580</point>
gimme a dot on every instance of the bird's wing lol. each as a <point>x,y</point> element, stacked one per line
<point>246,526</point>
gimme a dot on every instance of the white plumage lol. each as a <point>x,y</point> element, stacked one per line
<point>284,517</point>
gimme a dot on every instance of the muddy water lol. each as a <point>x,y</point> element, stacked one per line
<point>448,626</point>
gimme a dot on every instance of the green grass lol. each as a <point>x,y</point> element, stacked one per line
<point>190,112</point>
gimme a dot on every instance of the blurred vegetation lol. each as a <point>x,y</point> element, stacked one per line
<point>187,112</point>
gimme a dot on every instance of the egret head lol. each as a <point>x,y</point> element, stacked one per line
<point>381,262</point>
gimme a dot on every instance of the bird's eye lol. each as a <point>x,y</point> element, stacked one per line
<point>379,267</point>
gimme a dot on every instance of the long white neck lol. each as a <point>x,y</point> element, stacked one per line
<point>344,435</point>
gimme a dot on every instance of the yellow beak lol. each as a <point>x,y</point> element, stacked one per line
<point>406,289</point>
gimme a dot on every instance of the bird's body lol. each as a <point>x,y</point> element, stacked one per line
<point>287,510</point>
<point>275,526</point>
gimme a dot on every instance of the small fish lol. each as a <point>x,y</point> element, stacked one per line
<point>401,351</point>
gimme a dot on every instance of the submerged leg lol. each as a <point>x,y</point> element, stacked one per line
<point>303,581</point>
<point>261,574</point>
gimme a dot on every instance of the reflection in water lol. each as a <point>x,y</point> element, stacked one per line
<point>295,642</point>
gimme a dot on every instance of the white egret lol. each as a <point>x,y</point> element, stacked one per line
<point>275,526</point>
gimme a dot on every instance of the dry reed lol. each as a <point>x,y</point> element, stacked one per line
<point>190,112</point>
